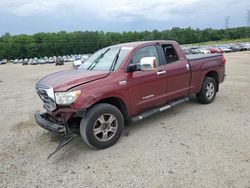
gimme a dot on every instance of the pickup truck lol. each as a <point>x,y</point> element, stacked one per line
<point>125,83</point>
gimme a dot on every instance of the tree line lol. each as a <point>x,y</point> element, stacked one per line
<point>84,42</point>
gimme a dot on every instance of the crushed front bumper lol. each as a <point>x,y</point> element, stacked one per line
<point>45,123</point>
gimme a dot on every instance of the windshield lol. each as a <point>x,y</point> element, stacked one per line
<point>106,59</point>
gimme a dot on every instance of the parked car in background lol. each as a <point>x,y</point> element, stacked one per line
<point>41,61</point>
<point>225,48</point>
<point>195,50</point>
<point>245,46</point>
<point>3,61</point>
<point>20,61</point>
<point>59,61</point>
<point>204,51</point>
<point>187,50</point>
<point>25,61</point>
<point>234,47</point>
<point>77,63</point>
<point>71,59</point>
<point>215,50</point>
<point>46,59</point>
<point>30,60</point>
<point>15,61</point>
<point>34,62</point>
<point>242,47</point>
<point>51,60</point>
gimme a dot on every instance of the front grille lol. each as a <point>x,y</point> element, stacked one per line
<point>48,102</point>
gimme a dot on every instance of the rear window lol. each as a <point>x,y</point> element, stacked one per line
<point>170,53</point>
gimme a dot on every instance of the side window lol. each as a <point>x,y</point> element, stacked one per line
<point>170,53</point>
<point>149,51</point>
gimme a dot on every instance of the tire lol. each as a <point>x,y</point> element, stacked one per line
<point>106,133</point>
<point>208,90</point>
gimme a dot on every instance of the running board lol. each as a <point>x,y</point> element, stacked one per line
<point>157,110</point>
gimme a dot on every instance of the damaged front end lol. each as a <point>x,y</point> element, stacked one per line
<point>57,119</point>
<point>47,122</point>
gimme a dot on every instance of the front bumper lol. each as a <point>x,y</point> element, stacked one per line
<point>47,124</point>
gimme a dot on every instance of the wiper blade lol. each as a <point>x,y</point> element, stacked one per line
<point>96,61</point>
<point>115,60</point>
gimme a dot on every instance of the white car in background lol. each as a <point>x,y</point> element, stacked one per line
<point>80,59</point>
<point>204,51</point>
<point>77,63</point>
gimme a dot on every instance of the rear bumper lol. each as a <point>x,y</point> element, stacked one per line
<point>47,124</point>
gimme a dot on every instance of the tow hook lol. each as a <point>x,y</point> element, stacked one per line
<point>68,139</point>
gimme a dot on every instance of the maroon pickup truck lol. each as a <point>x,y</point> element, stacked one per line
<point>125,83</point>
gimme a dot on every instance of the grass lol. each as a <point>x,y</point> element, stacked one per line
<point>211,43</point>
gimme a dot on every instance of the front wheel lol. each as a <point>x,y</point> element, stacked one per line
<point>208,90</point>
<point>102,126</point>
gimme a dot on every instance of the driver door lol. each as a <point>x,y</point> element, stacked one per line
<point>147,89</point>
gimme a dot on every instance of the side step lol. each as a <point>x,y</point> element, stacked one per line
<point>157,110</point>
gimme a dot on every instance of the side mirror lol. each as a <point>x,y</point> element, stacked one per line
<point>148,64</point>
<point>132,68</point>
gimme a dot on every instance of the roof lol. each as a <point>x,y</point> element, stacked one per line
<point>140,43</point>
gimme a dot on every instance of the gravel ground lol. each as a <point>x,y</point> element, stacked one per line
<point>191,145</point>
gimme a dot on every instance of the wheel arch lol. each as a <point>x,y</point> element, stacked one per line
<point>117,102</point>
<point>213,74</point>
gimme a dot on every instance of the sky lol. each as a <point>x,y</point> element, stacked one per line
<point>33,16</point>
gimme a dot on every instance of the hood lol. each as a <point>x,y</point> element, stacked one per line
<point>64,80</point>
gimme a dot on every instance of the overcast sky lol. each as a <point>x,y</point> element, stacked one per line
<point>32,16</point>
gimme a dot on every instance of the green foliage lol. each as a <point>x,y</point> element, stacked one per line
<point>79,42</point>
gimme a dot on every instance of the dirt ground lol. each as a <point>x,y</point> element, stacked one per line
<point>191,145</point>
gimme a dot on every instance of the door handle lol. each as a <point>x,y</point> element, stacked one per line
<point>161,72</point>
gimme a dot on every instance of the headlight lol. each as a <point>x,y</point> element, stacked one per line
<point>66,98</point>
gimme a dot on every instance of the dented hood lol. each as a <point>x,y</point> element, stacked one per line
<point>64,80</point>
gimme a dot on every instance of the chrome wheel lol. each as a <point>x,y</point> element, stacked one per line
<point>210,90</point>
<point>105,127</point>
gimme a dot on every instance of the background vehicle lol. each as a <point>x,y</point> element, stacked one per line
<point>215,50</point>
<point>41,61</point>
<point>51,60</point>
<point>77,63</point>
<point>203,50</point>
<point>234,47</point>
<point>3,61</point>
<point>15,61</point>
<point>34,62</point>
<point>125,83</point>
<point>20,61</point>
<point>59,61</point>
<point>25,61</point>
<point>225,48</point>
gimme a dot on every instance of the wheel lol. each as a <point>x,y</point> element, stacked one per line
<point>102,126</point>
<point>208,91</point>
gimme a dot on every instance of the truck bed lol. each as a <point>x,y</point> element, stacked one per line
<point>202,56</point>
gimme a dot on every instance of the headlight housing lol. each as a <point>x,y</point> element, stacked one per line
<point>66,98</point>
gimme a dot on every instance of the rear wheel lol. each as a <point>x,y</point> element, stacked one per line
<point>208,90</point>
<point>102,126</point>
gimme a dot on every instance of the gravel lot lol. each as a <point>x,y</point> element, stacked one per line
<point>191,145</point>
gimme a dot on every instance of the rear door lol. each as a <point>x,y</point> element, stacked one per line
<point>147,89</point>
<point>178,73</point>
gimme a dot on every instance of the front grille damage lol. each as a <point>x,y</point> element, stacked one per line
<point>46,94</point>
